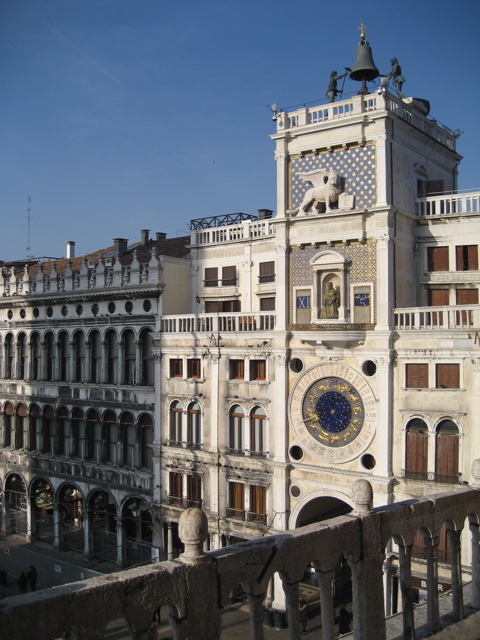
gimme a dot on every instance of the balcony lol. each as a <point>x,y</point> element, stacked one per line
<point>232,233</point>
<point>431,476</point>
<point>197,586</point>
<point>215,322</point>
<point>452,204</point>
<point>437,318</point>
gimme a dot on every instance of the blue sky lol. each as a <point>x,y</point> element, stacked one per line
<point>120,115</point>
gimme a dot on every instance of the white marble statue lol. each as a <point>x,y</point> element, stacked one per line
<point>326,188</point>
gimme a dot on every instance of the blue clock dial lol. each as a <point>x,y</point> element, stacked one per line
<point>333,411</point>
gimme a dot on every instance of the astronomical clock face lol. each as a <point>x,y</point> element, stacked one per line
<point>332,412</point>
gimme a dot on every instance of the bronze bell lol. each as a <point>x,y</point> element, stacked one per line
<point>364,68</point>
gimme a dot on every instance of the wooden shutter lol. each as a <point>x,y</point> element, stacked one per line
<point>229,276</point>
<point>438,297</point>
<point>448,376</point>
<point>434,187</point>
<point>467,296</point>
<point>267,304</point>
<point>213,306</point>
<point>211,277</point>
<point>417,453</point>
<point>438,259</point>
<point>446,458</point>
<point>467,257</point>
<point>267,272</point>
<point>417,376</point>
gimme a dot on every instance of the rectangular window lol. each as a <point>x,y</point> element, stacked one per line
<point>211,277</point>
<point>237,369</point>
<point>176,368</point>
<point>267,304</point>
<point>417,376</point>
<point>266,272</point>
<point>236,501</point>
<point>438,258</point>
<point>176,489</point>
<point>257,511</point>
<point>448,376</point>
<point>258,370</point>
<point>229,276</point>
<point>194,368</point>
<point>467,296</point>
<point>194,491</point>
<point>467,257</point>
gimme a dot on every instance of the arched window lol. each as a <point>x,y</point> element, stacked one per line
<point>112,357</point>
<point>47,429</point>
<point>50,356</point>
<point>176,412</point>
<point>20,424</point>
<point>129,440</point>
<point>416,459</point>
<point>258,431</point>
<point>129,357</point>
<point>146,344</point>
<point>36,356</point>
<point>9,357</point>
<point>63,431</point>
<point>446,452</point>
<point>194,426</point>
<point>111,437</point>
<point>78,433</point>
<point>80,356</point>
<point>237,420</point>
<point>93,449</point>
<point>22,356</point>
<point>33,418</point>
<point>95,357</point>
<point>8,412</point>
<point>145,425</point>
<point>64,356</point>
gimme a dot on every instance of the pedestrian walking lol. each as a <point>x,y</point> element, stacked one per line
<point>32,577</point>
<point>23,583</point>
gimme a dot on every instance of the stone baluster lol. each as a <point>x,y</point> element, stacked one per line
<point>405,562</point>
<point>433,622</point>
<point>255,605</point>
<point>293,614</point>
<point>326,580</point>
<point>456,569</point>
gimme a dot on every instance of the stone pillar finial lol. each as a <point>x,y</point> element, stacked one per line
<point>362,494</point>
<point>193,530</point>
<point>476,472</point>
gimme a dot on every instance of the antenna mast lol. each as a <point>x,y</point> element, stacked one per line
<point>28,230</point>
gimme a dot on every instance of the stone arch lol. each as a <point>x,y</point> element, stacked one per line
<point>318,506</point>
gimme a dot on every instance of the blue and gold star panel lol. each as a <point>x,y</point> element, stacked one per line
<point>356,165</point>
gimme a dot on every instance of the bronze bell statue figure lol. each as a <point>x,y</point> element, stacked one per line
<point>364,68</point>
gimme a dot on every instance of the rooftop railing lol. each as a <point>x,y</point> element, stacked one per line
<point>197,586</point>
<point>437,318</point>
<point>448,204</point>
<point>214,322</point>
<point>232,233</point>
<point>407,110</point>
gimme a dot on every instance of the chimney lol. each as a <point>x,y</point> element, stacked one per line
<point>70,249</point>
<point>161,236</point>
<point>265,214</point>
<point>145,236</point>
<point>120,245</point>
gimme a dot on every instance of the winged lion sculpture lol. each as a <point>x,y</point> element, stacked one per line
<point>326,188</point>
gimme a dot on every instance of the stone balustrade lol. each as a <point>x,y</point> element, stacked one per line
<point>448,204</point>
<point>233,233</point>
<point>437,318</point>
<point>198,584</point>
<point>214,322</point>
<point>357,105</point>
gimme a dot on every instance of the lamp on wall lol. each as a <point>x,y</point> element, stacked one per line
<point>198,299</point>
